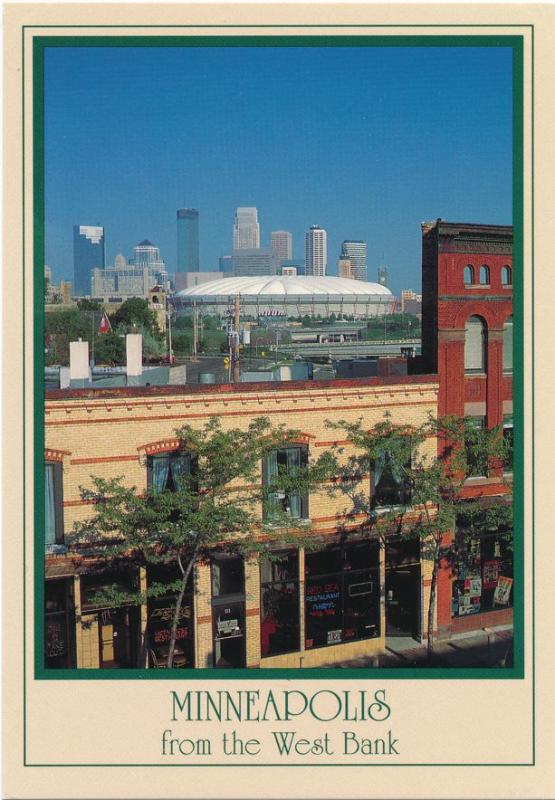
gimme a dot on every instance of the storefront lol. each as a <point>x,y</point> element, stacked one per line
<point>342,594</point>
<point>59,624</point>
<point>118,627</point>
<point>160,613</point>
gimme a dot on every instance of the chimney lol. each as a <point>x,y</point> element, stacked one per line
<point>134,356</point>
<point>79,370</point>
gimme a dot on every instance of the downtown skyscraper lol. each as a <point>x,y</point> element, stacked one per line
<point>246,230</point>
<point>187,240</point>
<point>88,252</point>
<point>355,251</point>
<point>282,244</point>
<point>316,251</point>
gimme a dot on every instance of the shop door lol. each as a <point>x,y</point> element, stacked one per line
<point>402,601</point>
<point>229,635</point>
<point>116,643</point>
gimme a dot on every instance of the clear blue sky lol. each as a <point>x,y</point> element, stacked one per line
<point>365,142</point>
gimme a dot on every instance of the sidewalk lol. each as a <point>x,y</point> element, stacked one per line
<point>463,650</point>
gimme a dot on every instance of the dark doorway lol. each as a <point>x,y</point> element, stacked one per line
<point>402,601</point>
<point>229,635</point>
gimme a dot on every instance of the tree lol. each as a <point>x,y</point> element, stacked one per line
<point>110,349</point>
<point>135,312</point>
<point>215,502</point>
<point>421,496</point>
<point>89,305</point>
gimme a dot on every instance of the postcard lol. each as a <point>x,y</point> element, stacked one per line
<point>276,285</point>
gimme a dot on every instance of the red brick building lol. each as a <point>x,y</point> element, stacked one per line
<point>467,333</point>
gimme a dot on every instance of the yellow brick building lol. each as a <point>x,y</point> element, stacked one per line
<point>228,618</point>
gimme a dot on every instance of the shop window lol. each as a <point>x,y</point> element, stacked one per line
<point>506,276</point>
<point>279,608</point>
<point>228,576</point>
<point>508,345</point>
<point>343,605</point>
<point>484,275</point>
<point>475,447</point>
<point>279,465</point>
<point>468,275</point>
<point>169,472</point>
<point>160,612</point>
<point>390,484</point>
<point>59,624</point>
<point>483,572</point>
<point>53,502</point>
<point>508,444</point>
<point>475,345</point>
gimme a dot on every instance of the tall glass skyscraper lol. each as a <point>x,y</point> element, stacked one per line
<point>316,251</point>
<point>187,240</point>
<point>246,230</point>
<point>88,253</point>
<point>355,251</point>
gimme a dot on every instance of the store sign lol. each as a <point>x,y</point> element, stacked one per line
<point>55,639</point>
<point>226,627</point>
<point>334,637</point>
<point>503,591</point>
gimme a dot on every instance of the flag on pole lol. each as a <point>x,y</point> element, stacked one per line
<point>104,326</point>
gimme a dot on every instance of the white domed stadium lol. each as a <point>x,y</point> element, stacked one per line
<point>297,295</point>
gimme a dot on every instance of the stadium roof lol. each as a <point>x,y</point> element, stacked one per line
<point>284,285</point>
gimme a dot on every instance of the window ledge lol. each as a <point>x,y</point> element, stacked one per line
<point>277,526</point>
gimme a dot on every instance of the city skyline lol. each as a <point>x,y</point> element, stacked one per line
<point>402,154</point>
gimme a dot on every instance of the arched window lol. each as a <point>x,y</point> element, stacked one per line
<point>506,276</point>
<point>508,345</point>
<point>475,344</point>
<point>484,275</point>
<point>468,275</point>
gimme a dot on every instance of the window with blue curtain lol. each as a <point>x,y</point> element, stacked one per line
<point>53,518</point>
<point>390,486</point>
<point>285,462</point>
<point>168,472</point>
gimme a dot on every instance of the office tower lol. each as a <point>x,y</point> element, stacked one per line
<point>282,245</point>
<point>88,253</point>
<point>254,261</point>
<point>246,231</point>
<point>345,267</point>
<point>120,261</point>
<point>226,264</point>
<point>382,276</point>
<point>355,251</point>
<point>187,240</point>
<point>316,251</point>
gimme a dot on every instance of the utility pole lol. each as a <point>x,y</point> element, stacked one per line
<point>236,339</point>
<point>169,318</point>
<point>195,332</point>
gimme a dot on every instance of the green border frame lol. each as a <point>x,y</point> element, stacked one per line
<point>39,44</point>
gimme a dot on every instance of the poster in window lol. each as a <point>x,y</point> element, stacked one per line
<point>503,591</point>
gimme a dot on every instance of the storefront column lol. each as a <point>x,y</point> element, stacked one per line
<point>301,606</point>
<point>252,610</point>
<point>203,616</point>
<point>86,632</point>
<point>143,620</point>
<point>427,569</point>
<point>382,594</point>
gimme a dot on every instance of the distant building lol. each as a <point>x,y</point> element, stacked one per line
<point>133,278</point>
<point>246,230</point>
<point>355,251</point>
<point>254,261</point>
<point>382,276</point>
<point>226,264</point>
<point>187,240</point>
<point>288,271</point>
<point>411,303</point>
<point>316,251</point>
<point>282,245</point>
<point>297,263</point>
<point>88,253</point>
<point>345,268</point>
